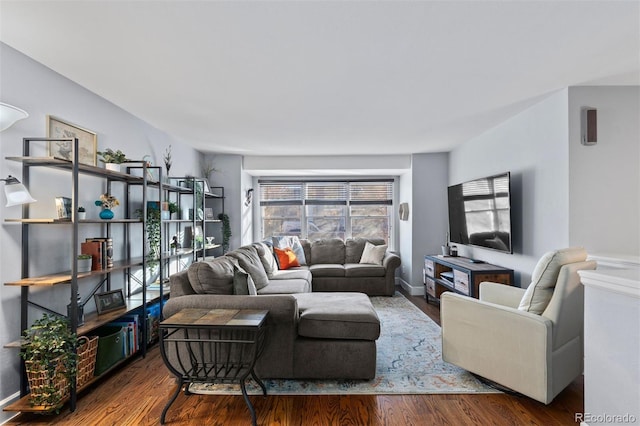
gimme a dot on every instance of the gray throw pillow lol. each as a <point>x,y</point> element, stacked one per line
<point>249,260</point>
<point>243,284</point>
<point>212,277</point>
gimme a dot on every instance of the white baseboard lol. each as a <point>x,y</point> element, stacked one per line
<point>412,290</point>
<point>5,416</point>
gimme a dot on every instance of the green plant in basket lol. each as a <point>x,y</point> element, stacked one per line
<point>49,351</point>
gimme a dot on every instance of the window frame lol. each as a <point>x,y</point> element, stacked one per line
<point>384,188</point>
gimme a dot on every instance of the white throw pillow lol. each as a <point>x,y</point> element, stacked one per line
<point>544,278</point>
<point>373,254</point>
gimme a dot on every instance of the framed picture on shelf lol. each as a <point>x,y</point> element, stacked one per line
<point>63,207</point>
<point>208,213</point>
<point>87,141</point>
<point>109,301</point>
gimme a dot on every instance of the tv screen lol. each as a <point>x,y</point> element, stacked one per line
<point>480,213</point>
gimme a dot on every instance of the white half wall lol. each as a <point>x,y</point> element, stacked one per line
<point>604,179</point>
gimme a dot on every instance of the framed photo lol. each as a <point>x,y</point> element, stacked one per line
<point>63,207</point>
<point>87,140</point>
<point>109,301</point>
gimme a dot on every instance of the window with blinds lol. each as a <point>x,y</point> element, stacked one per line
<point>326,209</point>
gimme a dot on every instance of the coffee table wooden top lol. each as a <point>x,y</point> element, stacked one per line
<point>193,317</point>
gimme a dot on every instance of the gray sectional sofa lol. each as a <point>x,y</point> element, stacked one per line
<point>310,335</point>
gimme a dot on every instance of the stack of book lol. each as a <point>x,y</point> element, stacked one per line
<point>101,251</point>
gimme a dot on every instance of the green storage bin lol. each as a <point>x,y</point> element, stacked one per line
<point>111,347</point>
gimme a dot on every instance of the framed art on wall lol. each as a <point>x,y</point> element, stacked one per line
<point>87,140</point>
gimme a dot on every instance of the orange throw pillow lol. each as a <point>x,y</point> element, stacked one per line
<point>286,258</point>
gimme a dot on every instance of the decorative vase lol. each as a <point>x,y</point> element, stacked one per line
<point>82,215</point>
<point>106,214</point>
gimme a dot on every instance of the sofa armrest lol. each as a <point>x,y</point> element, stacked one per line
<point>501,294</point>
<point>391,261</point>
<point>503,344</point>
<point>281,325</point>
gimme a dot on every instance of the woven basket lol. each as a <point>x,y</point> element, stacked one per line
<point>41,385</point>
<point>86,359</point>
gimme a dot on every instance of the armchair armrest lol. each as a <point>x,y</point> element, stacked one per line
<point>501,294</point>
<point>500,343</point>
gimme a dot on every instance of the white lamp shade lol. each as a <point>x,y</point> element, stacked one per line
<point>9,115</point>
<point>17,194</point>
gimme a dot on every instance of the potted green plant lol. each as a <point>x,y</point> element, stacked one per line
<point>84,263</point>
<point>112,159</point>
<point>173,208</point>
<point>82,213</point>
<point>49,351</point>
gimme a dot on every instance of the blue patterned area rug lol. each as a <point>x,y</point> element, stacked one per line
<point>409,361</point>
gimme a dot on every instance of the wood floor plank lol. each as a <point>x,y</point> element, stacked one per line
<point>136,395</point>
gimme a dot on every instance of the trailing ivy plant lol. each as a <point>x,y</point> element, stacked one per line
<point>153,231</point>
<point>50,346</point>
<point>226,231</point>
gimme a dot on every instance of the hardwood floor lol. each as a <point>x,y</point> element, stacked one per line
<point>136,395</point>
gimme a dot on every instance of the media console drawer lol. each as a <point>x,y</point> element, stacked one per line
<point>461,275</point>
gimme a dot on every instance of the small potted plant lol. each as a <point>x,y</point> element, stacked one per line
<point>173,208</point>
<point>84,263</point>
<point>82,213</point>
<point>49,351</point>
<point>112,159</point>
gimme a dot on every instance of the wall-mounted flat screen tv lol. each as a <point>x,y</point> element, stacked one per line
<point>480,213</point>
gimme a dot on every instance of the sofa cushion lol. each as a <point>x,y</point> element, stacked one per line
<point>544,278</point>
<point>300,273</point>
<point>286,258</point>
<point>364,270</point>
<point>337,316</point>
<point>328,251</point>
<point>212,277</point>
<point>265,252</point>
<point>355,246</point>
<point>249,260</point>
<point>286,286</point>
<point>292,242</point>
<point>373,254</point>
<point>327,270</point>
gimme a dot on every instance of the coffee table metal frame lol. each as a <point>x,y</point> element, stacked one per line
<point>213,346</point>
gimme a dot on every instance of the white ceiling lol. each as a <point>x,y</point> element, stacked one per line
<point>328,77</point>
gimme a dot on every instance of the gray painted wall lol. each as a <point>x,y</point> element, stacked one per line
<point>35,88</point>
<point>426,229</point>
<point>604,179</point>
<point>533,147</point>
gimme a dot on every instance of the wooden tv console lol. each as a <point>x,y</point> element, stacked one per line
<point>461,275</point>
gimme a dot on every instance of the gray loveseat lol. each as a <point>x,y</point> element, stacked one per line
<point>313,335</point>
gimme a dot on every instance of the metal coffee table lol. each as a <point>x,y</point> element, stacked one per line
<point>213,346</point>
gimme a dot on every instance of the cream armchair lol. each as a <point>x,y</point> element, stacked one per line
<point>496,337</point>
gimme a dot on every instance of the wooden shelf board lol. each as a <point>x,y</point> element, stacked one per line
<point>68,221</point>
<point>24,404</point>
<point>93,321</point>
<point>65,277</point>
